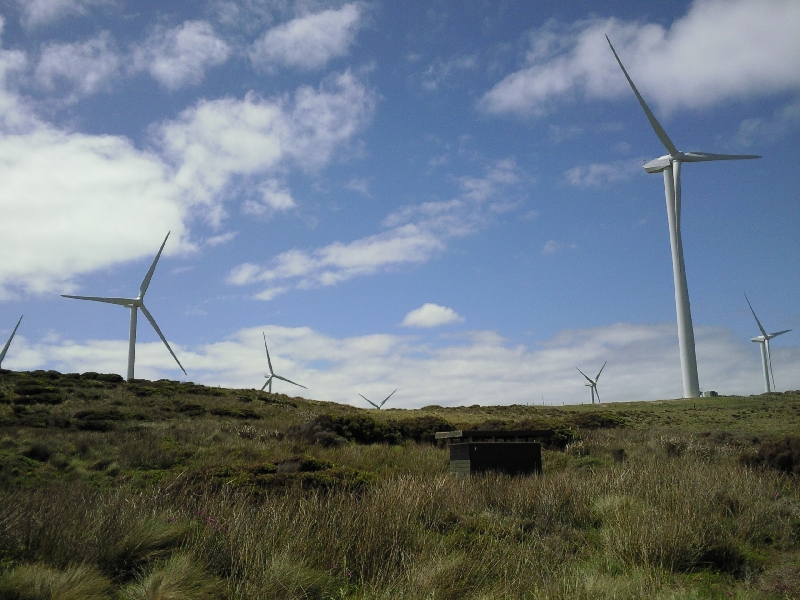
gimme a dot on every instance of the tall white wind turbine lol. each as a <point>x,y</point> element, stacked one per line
<point>593,382</point>
<point>670,165</point>
<point>763,339</point>
<point>8,343</point>
<point>135,304</point>
<point>272,374</point>
<point>378,406</point>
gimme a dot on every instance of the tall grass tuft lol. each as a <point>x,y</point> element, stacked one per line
<point>150,540</point>
<point>176,579</point>
<point>41,582</point>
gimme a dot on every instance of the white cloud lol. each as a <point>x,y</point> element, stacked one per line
<point>43,12</point>
<point>431,315</point>
<point>598,174</point>
<point>415,234</point>
<point>221,239</point>
<point>218,140</point>
<point>479,367</point>
<point>86,67</point>
<point>309,42</point>
<point>720,50</point>
<point>180,56</point>
<point>91,200</point>
<point>273,196</point>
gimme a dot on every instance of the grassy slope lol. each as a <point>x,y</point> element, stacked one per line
<point>136,490</point>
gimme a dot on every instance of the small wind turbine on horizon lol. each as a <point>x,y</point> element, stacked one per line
<point>593,382</point>
<point>670,165</point>
<point>378,406</point>
<point>272,374</point>
<point>8,343</point>
<point>135,304</point>
<point>763,339</point>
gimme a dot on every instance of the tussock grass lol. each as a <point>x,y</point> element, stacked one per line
<point>41,582</point>
<point>182,497</point>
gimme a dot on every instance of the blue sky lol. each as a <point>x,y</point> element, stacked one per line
<point>445,198</point>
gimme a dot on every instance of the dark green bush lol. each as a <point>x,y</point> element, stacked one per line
<point>781,455</point>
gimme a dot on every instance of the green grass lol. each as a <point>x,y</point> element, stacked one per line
<point>169,490</point>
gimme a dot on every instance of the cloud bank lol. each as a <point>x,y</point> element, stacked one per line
<point>721,50</point>
<point>478,367</point>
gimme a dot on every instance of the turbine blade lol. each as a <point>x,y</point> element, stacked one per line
<point>601,370</point>
<point>662,135</point>
<point>707,156</point>
<point>266,383</point>
<point>387,397</point>
<point>149,276</point>
<point>771,335</point>
<point>269,362</point>
<point>161,335</point>
<point>128,302</point>
<point>596,391</point>
<point>587,377</point>
<point>11,337</point>
<point>760,326</point>
<point>289,381</point>
<point>370,401</point>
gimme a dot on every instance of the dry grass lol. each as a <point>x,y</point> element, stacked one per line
<point>192,503</point>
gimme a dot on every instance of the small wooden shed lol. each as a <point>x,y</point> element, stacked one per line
<point>512,452</point>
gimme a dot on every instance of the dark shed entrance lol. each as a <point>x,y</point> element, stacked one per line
<point>510,452</point>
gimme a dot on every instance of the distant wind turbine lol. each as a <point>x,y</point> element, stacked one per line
<point>593,382</point>
<point>378,406</point>
<point>135,304</point>
<point>8,343</point>
<point>272,374</point>
<point>670,165</point>
<point>763,339</point>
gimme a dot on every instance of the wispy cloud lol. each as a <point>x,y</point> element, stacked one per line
<point>431,315</point>
<point>43,12</point>
<point>180,56</point>
<point>414,235</point>
<point>760,130</point>
<point>736,49</point>
<point>478,367</point>
<point>599,174</point>
<point>85,67</point>
<point>310,41</point>
<point>553,247</point>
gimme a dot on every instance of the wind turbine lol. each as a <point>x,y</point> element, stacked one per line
<point>670,165</point>
<point>593,382</point>
<point>8,343</point>
<point>378,406</point>
<point>763,339</point>
<point>272,374</point>
<point>135,304</point>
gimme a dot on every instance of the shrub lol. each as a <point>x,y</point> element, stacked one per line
<point>781,455</point>
<point>40,452</point>
<point>238,413</point>
<point>364,429</point>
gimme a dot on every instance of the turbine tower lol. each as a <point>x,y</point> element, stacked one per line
<point>378,406</point>
<point>763,339</point>
<point>135,304</point>
<point>593,382</point>
<point>670,165</point>
<point>8,343</point>
<point>272,374</point>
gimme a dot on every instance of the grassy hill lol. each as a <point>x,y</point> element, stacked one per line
<point>174,490</point>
